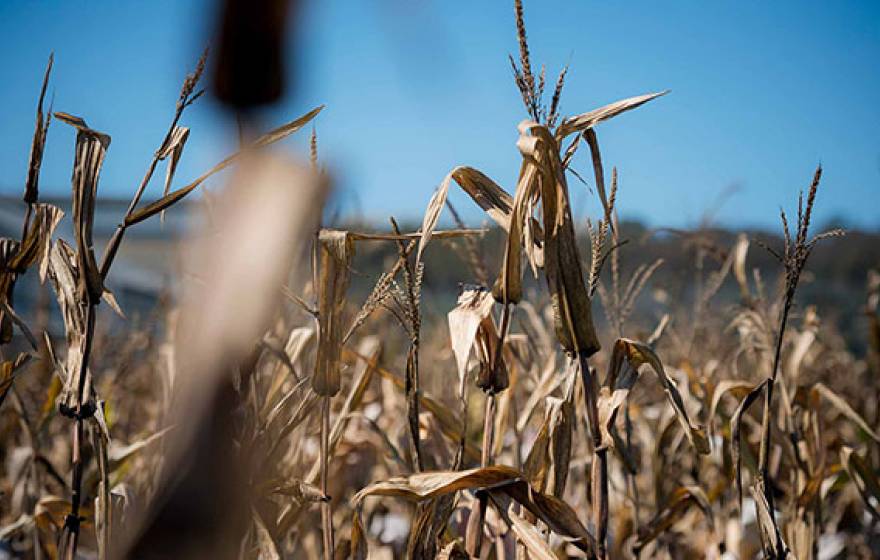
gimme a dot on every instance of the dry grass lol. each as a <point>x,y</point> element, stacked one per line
<point>261,412</point>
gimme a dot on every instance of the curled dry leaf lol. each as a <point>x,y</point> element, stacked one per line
<point>7,373</point>
<point>474,305</point>
<point>501,483</point>
<point>336,251</point>
<point>626,358</point>
<point>547,463</point>
<point>35,244</point>
<point>91,147</point>
<point>484,191</point>
<point>172,150</point>
<point>64,271</point>
<point>422,486</point>
<point>735,387</point>
<point>508,286</point>
<point>736,426</point>
<point>562,265</point>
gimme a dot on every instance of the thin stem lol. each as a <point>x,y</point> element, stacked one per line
<point>70,534</point>
<point>116,239</point>
<point>599,474</point>
<point>326,509</point>
<point>488,430</point>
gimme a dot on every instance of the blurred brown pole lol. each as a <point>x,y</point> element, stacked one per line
<point>200,515</point>
<point>249,69</point>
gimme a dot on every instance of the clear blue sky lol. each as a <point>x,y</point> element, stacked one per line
<point>761,93</point>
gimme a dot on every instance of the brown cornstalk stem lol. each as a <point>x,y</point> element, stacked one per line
<point>599,474</point>
<point>70,534</point>
<point>765,427</point>
<point>488,430</point>
<point>119,233</point>
<point>764,451</point>
<point>326,509</point>
<point>412,359</point>
<point>489,416</point>
<point>188,96</point>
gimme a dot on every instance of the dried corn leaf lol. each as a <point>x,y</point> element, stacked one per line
<point>587,120</point>
<point>556,514</point>
<point>51,510</point>
<point>37,239</point>
<point>64,271</point>
<point>547,464</point>
<point>118,454</point>
<point>7,373</point>
<point>862,475</point>
<point>626,358</point>
<point>359,548</point>
<point>422,486</point>
<point>494,200</point>
<point>502,483</point>
<point>41,128</point>
<point>483,190</point>
<point>528,534</point>
<point>562,264</point>
<point>336,251</point>
<point>771,540</point>
<point>508,286</point>
<point>91,147</point>
<point>173,149</point>
<point>474,305</point>
<point>677,505</point>
<point>492,376</point>
<point>736,424</point>
<point>844,408</point>
<point>735,387</point>
<point>270,137</point>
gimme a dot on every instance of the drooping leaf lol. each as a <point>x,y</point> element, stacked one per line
<point>562,264</point>
<point>736,423</point>
<point>626,358</point>
<point>494,200</point>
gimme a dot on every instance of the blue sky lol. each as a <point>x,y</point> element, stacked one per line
<point>761,93</point>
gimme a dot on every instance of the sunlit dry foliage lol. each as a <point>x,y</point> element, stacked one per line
<point>284,402</point>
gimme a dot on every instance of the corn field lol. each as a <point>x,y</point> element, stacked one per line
<point>263,410</point>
